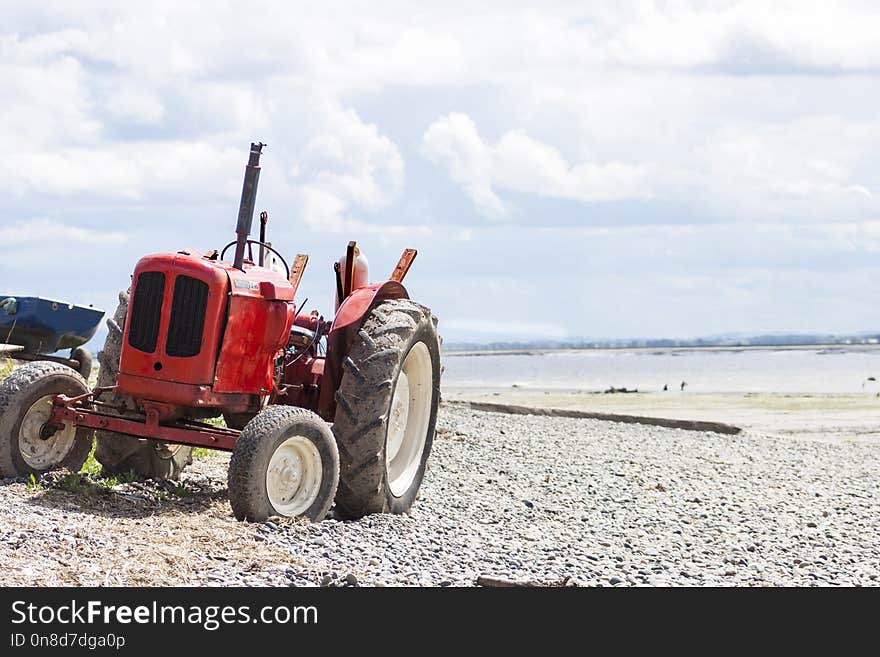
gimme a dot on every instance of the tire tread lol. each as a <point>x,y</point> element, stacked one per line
<point>247,491</point>
<point>363,400</point>
<point>14,391</point>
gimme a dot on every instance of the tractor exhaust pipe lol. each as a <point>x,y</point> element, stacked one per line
<point>264,218</point>
<point>248,200</point>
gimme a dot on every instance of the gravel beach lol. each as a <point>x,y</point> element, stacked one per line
<point>548,500</point>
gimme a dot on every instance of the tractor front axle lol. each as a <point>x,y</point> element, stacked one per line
<point>182,432</point>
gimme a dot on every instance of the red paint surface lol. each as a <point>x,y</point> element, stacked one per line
<point>237,353</point>
<point>359,301</point>
<point>256,332</point>
<point>194,370</point>
<point>185,394</point>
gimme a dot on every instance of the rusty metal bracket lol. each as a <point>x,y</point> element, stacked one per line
<point>340,293</point>
<point>182,432</point>
<point>349,270</point>
<point>296,271</point>
<point>403,265</point>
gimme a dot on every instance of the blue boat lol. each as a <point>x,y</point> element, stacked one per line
<point>31,327</point>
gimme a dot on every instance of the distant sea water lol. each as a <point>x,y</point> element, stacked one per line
<point>833,369</point>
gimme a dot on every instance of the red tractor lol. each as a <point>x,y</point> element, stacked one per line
<point>202,337</point>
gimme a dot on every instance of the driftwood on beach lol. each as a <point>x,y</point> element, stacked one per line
<point>689,425</point>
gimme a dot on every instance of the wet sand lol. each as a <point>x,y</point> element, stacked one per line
<point>826,417</point>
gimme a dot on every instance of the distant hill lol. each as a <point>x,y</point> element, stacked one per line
<point>726,340</point>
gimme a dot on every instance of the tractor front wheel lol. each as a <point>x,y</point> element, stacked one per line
<point>25,406</point>
<point>284,463</point>
<point>386,409</point>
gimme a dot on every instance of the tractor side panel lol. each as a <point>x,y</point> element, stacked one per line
<point>256,330</point>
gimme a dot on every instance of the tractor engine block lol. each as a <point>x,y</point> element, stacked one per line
<point>201,333</point>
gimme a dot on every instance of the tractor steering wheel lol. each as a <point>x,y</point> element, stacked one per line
<point>250,252</point>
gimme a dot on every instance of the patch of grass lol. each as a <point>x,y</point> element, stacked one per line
<point>94,470</point>
<point>118,479</point>
<point>34,484</point>
<point>75,483</point>
<point>91,478</point>
<point>199,453</point>
<point>180,491</point>
<point>6,366</point>
<point>91,466</point>
<point>218,421</point>
<point>89,483</point>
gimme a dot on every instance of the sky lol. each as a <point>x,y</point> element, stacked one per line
<point>566,170</point>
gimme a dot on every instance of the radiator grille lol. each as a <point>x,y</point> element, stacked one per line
<point>187,317</point>
<point>146,311</point>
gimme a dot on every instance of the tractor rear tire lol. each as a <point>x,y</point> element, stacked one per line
<point>386,409</point>
<point>284,463</point>
<point>116,452</point>
<point>84,359</point>
<point>25,405</point>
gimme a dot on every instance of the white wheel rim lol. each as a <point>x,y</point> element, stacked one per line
<point>293,478</point>
<point>42,454</point>
<point>408,419</point>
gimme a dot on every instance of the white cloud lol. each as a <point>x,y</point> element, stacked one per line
<point>526,330</point>
<point>45,100</point>
<point>41,231</point>
<point>135,103</point>
<point>520,163</point>
<point>703,139</point>
<point>351,161</point>
<point>454,142</point>
<point>126,170</point>
<point>810,169</point>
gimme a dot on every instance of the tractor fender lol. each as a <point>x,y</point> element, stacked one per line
<point>346,325</point>
<point>360,301</point>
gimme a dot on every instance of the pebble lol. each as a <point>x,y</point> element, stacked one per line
<point>735,511</point>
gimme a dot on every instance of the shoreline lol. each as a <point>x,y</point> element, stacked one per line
<point>457,353</point>
<point>829,417</point>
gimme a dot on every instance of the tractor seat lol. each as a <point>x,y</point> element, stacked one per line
<point>300,336</point>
